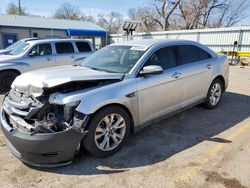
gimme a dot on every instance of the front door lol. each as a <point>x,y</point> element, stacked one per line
<point>9,39</point>
<point>160,94</point>
<point>40,56</point>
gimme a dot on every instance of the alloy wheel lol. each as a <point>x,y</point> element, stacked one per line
<point>110,132</point>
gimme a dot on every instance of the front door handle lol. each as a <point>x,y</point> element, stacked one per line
<point>177,75</point>
<point>73,56</point>
<point>209,66</point>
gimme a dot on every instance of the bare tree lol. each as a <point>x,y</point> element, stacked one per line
<point>231,14</point>
<point>68,12</point>
<point>210,13</point>
<point>13,9</point>
<point>165,9</point>
<point>147,17</point>
<point>112,21</point>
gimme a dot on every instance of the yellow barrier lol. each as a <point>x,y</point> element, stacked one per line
<point>237,54</point>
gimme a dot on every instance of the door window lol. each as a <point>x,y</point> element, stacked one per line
<point>83,47</point>
<point>190,54</point>
<point>41,50</point>
<point>64,48</point>
<point>165,57</point>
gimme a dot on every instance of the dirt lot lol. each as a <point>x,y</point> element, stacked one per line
<point>196,148</point>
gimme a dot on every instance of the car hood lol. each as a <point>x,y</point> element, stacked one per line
<point>4,51</point>
<point>7,58</point>
<point>52,77</point>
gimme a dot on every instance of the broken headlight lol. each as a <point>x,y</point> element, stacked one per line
<point>69,109</point>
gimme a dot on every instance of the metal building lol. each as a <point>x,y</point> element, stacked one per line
<point>216,38</point>
<point>13,28</point>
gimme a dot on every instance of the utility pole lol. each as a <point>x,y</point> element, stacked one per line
<point>19,7</point>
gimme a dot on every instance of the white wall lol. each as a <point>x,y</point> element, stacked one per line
<point>216,38</point>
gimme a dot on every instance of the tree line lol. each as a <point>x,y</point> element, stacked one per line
<point>160,15</point>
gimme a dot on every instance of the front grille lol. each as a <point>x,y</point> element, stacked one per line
<point>20,104</point>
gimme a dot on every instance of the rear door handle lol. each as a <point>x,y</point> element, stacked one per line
<point>177,75</point>
<point>209,66</point>
<point>49,59</point>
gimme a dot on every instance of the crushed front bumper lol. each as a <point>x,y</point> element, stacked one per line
<point>43,149</point>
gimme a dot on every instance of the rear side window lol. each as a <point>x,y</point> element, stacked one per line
<point>190,54</point>
<point>64,48</point>
<point>165,57</point>
<point>83,47</point>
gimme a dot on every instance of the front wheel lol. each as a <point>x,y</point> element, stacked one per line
<point>108,130</point>
<point>214,94</point>
<point>6,79</point>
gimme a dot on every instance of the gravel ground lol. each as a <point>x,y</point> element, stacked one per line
<point>195,148</point>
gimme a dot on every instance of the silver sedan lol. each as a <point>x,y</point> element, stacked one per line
<point>50,114</point>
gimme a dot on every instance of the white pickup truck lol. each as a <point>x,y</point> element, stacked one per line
<point>37,54</point>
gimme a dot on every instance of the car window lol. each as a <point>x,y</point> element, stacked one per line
<point>165,57</point>
<point>83,47</point>
<point>190,54</point>
<point>64,48</point>
<point>117,58</point>
<point>41,50</point>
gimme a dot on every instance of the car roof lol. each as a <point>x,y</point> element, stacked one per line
<point>56,40</point>
<point>146,43</point>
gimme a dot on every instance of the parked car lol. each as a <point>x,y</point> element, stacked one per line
<point>50,114</point>
<point>37,54</point>
<point>14,45</point>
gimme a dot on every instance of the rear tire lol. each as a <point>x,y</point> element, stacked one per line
<point>109,129</point>
<point>214,94</point>
<point>6,79</point>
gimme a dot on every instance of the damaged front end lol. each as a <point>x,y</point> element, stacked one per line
<point>40,133</point>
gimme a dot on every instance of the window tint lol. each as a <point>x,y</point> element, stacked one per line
<point>203,54</point>
<point>165,57</point>
<point>83,47</point>
<point>190,54</point>
<point>41,49</point>
<point>64,48</point>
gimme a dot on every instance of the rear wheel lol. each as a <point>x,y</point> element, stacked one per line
<point>214,94</point>
<point>6,79</point>
<point>108,130</point>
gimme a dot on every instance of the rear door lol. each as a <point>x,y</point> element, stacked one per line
<point>65,53</point>
<point>84,50</point>
<point>40,56</point>
<point>195,65</point>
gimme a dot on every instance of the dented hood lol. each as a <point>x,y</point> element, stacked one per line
<point>51,77</point>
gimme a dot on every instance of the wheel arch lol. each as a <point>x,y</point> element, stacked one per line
<point>132,128</point>
<point>221,78</point>
<point>11,70</point>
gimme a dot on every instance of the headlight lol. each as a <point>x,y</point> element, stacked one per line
<point>35,91</point>
<point>69,108</point>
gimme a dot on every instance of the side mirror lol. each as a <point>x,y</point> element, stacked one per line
<point>32,54</point>
<point>151,69</point>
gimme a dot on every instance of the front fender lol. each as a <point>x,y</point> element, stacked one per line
<point>19,66</point>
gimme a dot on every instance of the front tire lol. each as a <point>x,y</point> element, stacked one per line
<point>109,129</point>
<point>214,94</point>
<point>6,79</point>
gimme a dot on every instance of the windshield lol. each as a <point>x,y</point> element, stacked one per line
<point>14,45</point>
<point>21,48</point>
<point>116,59</point>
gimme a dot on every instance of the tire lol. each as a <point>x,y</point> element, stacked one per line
<point>6,79</point>
<point>100,131</point>
<point>214,94</point>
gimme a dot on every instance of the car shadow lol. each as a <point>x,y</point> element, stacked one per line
<point>166,138</point>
